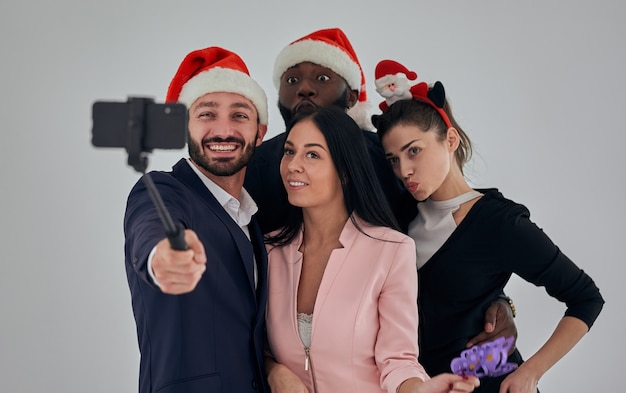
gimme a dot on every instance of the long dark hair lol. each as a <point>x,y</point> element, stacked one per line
<point>362,193</point>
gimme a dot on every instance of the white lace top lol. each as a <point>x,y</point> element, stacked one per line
<point>304,328</point>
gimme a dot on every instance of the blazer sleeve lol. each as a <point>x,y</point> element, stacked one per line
<point>396,349</point>
<point>143,227</point>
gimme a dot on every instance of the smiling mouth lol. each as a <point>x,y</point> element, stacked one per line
<point>221,148</point>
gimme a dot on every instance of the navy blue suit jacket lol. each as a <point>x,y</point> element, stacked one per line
<point>211,339</point>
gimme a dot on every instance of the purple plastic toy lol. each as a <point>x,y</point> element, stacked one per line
<point>485,360</point>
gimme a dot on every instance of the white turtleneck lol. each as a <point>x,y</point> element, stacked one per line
<point>434,224</point>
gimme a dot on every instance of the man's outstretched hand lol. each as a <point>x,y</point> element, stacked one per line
<point>177,272</point>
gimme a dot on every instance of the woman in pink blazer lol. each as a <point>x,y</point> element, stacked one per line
<point>341,314</point>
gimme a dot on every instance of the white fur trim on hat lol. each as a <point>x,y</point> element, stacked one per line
<point>218,79</point>
<point>361,114</point>
<point>321,53</point>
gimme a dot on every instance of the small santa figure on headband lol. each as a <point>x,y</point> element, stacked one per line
<point>392,82</point>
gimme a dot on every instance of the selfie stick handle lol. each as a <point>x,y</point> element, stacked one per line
<point>175,233</point>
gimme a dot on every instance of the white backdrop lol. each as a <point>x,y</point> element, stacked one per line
<point>538,85</point>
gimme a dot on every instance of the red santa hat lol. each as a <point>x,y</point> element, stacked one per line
<point>212,70</point>
<point>329,48</point>
<point>390,67</point>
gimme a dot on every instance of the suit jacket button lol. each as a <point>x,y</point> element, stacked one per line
<point>255,384</point>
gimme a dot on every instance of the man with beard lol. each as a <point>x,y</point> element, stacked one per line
<point>322,69</point>
<point>200,312</point>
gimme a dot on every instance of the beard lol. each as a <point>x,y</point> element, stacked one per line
<point>287,114</point>
<point>217,166</point>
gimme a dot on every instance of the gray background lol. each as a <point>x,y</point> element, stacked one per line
<point>538,85</point>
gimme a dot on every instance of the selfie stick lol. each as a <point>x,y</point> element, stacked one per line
<point>175,233</point>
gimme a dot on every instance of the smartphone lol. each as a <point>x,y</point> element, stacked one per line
<point>164,125</point>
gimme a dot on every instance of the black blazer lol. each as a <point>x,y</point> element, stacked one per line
<point>209,340</point>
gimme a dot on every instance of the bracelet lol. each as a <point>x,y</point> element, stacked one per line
<point>510,301</point>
